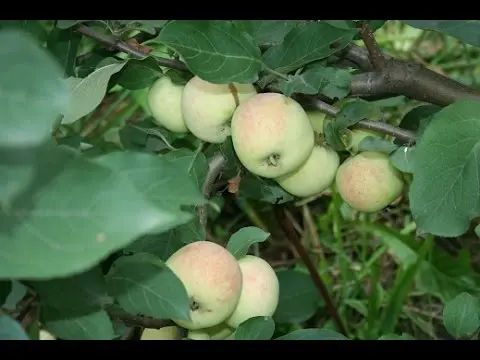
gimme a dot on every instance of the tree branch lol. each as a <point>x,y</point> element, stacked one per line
<point>138,320</point>
<point>215,167</point>
<point>296,243</point>
<point>119,45</point>
<point>368,38</point>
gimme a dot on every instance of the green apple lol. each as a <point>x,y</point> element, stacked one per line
<point>271,135</point>
<point>165,333</point>
<point>357,136</point>
<point>212,279</point>
<point>198,335</point>
<point>317,120</point>
<point>316,175</point>
<point>368,182</point>
<point>219,332</point>
<point>208,108</point>
<point>164,101</point>
<point>260,291</point>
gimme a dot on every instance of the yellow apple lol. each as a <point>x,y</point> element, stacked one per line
<point>165,333</point>
<point>198,335</point>
<point>164,102</point>
<point>260,291</point>
<point>368,182</point>
<point>316,175</point>
<point>208,108</point>
<point>271,135</point>
<point>212,279</point>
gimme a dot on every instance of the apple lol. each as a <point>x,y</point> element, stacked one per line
<point>198,335</point>
<point>164,102</point>
<point>208,108</point>
<point>368,182</point>
<point>212,279</point>
<point>164,333</point>
<point>316,175</point>
<point>260,291</point>
<point>45,335</point>
<point>219,332</point>
<point>271,135</point>
<point>317,119</point>
<point>357,136</point>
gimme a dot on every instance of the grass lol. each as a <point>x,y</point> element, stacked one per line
<point>382,277</point>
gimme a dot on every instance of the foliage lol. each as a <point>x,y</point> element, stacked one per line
<point>95,197</point>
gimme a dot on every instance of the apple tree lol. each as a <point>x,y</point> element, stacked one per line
<point>126,142</point>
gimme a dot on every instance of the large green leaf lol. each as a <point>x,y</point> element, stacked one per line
<point>465,30</point>
<point>79,210</point>
<point>267,32</point>
<point>256,328</point>
<point>312,334</point>
<point>63,44</point>
<point>462,315</point>
<point>215,50</point>
<point>307,43</point>
<point>444,195</point>
<point>240,242</point>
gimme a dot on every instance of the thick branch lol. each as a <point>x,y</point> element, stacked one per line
<point>137,320</point>
<point>412,80</point>
<point>379,126</point>
<point>368,38</point>
<point>116,43</point>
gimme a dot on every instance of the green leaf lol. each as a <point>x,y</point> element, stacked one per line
<point>266,32</point>
<point>34,92</point>
<point>65,24</point>
<point>66,326</point>
<point>33,27</point>
<point>161,245</point>
<point>75,213</point>
<point>461,315</point>
<point>403,158</point>
<point>329,81</point>
<point>354,111</point>
<point>63,45</point>
<point>5,290</point>
<point>256,328</point>
<point>143,284</point>
<point>477,230</point>
<point>194,163</point>
<point>299,299</point>
<point>138,74</point>
<point>215,50</point>
<point>371,143</point>
<point>404,336</point>
<point>444,195</point>
<point>307,43</point>
<point>18,293</point>
<point>312,334</point>
<point>464,30</point>
<point>257,188</point>
<point>88,93</point>
<point>10,329</point>
<point>78,293</point>
<point>417,120</point>
<point>335,137</point>
<point>240,242</point>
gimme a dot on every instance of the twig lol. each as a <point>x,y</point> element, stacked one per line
<point>138,320</point>
<point>295,241</point>
<point>379,126</point>
<point>368,38</point>
<point>116,43</point>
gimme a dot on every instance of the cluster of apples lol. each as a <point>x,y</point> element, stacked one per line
<point>274,137</point>
<point>224,292</point>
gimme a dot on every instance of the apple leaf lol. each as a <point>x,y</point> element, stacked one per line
<point>464,30</point>
<point>215,50</point>
<point>240,242</point>
<point>143,284</point>
<point>354,111</point>
<point>65,24</point>
<point>404,336</point>
<point>5,290</point>
<point>260,189</point>
<point>329,81</point>
<point>298,300</point>
<point>63,44</point>
<point>67,326</point>
<point>194,163</point>
<point>403,158</point>
<point>79,293</point>
<point>138,74</point>
<point>160,245</point>
<point>313,334</point>
<point>11,329</point>
<point>75,213</point>
<point>88,93</point>
<point>461,315</point>
<point>477,230</point>
<point>444,195</point>
<point>417,120</point>
<point>34,92</point>
<point>17,293</point>
<point>267,32</point>
<point>306,43</point>
<point>371,143</point>
<point>256,328</point>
